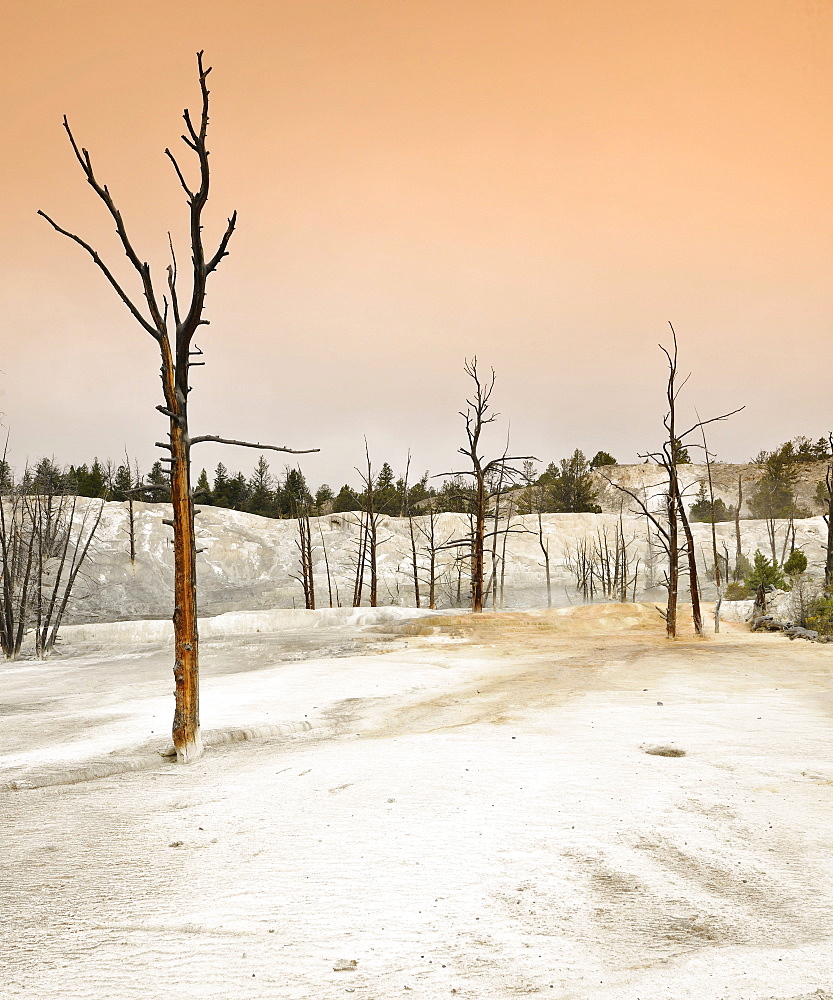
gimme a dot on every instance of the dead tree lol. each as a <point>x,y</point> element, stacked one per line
<point>828,564</point>
<point>738,549</point>
<point>476,416</point>
<point>300,510</point>
<point>428,528</point>
<point>675,512</point>
<point>718,582</point>
<point>326,564</point>
<point>545,550</point>
<point>173,320</point>
<point>406,512</point>
<point>668,458</point>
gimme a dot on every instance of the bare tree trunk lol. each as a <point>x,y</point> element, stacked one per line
<point>503,552</point>
<point>186,724</point>
<point>545,549</point>
<point>414,564</point>
<point>738,549</point>
<point>360,563</point>
<point>374,576</point>
<point>476,417</point>
<point>693,581</point>
<point>673,570</point>
<point>326,563</point>
<point>406,510</point>
<point>432,555</point>
<point>828,565</point>
<point>131,529</point>
<point>718,583</point>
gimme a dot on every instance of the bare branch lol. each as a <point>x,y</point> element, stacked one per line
<point>143,268</point>
<point>151,329</point>
<point>251,444</point>
<point>221,251</point>
<point>702,423</point>
<point>179,174</point>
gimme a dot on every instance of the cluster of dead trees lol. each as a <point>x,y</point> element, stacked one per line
<point>605,566</point>
<point>45,540</point>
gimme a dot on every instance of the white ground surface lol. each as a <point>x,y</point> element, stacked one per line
<point>448,807</point>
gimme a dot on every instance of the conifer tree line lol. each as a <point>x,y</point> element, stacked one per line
<point>566,486</point>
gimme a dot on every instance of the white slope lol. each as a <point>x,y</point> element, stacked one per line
<point>248,562</point>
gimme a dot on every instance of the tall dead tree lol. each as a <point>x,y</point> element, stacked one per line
<point>299,509</point>
<point>676,516</point>
<point>738,549</point>
<point>173,320</point>
<point>668,458</point>
<point>828,563</point>
<point>406,511</point>
<point>718,580</point>
<point>476,416</point>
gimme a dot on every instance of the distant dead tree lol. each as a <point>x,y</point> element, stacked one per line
<point>368,542</point>
<point>299,508</point>
<point>429,527</point>
<point>165,313</point>
<point>675,513</point>
<point>533,500</point>
<point>406,512</point>
<point>828,517</point>
<point>477,416</point>
<point>326,564</point>
<point>738,549</point>
<point>718,580</point>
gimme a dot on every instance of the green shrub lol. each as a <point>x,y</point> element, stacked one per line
<point>796,564</point>
<point>736,592</point>
<point>820,614</point>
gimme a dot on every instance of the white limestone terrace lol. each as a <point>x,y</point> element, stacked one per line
<point>248,561</point>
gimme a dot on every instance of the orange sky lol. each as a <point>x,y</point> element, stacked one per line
<point>543,183</point>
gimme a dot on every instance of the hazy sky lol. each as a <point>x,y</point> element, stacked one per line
<point>544,184</point>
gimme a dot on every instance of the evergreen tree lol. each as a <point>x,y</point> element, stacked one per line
<point>764,572</point>
<point>572,490</point>
<point>324,498</point>
<point>387,495</point>
<point>202,492</point>
<point>602,458</point>
<point>48,480</point>
<point>456,495</point>
<point>296,495</point>
<point>346,500</point>
<point>122,483</point>
<point>237,492</point>
<point>774,495</point>
<point>703,510</point>
<point>220,491</point>
<point>97,482</point>
<point>261,494</point>
<point>681,456</point>
<point>6,478</point>
<point>160,483</point>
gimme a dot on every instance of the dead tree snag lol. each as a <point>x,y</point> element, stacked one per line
<point>173,321</point>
